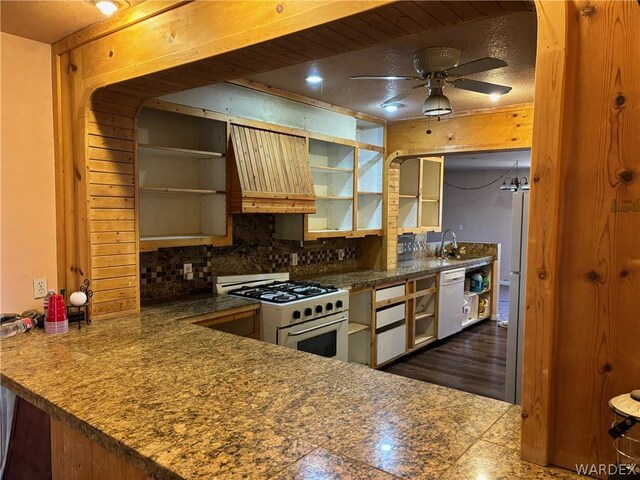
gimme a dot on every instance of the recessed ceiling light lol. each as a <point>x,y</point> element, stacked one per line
<point>391,107</point>
<point>107,7</point>
<point>314,79</point>
<point>495,97</point>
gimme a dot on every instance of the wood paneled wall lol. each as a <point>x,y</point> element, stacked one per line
<point>503,128</point>
<point>112,205</point>
<point>76,457</point>
<point>583,282</point>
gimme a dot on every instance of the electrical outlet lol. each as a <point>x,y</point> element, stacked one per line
<point>294,259</point>
<point>187,268</point>
<point>400,248</point>
<point>40,287</point>
<point>460,227</point>
<point>188,276</point>
<point>341,254</point>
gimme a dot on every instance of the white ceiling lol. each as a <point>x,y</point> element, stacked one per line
<point>510,37</point>
<point>49,21</point>
<point>501,160</point>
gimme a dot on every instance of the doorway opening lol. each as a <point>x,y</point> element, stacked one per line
<point>487,215</point>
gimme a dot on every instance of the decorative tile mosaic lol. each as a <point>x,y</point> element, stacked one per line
<point>255,250</point>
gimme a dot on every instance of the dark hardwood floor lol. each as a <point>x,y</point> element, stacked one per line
<point>473,360</point>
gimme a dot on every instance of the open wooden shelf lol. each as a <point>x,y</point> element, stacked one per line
<point>422,339</point>
<point>421,316</point>
<point>473,321</point>
<point>408,196</point>
<point>369,193</point>
<point>421,293</point>
<point>192,191</point>
<point>357,327</point>
<point>486,290</point>
<point>333,197</point>
<point>153,243</point>
<point>320,169</point>
<point>183,152</point>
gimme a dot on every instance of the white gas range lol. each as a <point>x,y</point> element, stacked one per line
<point>302,315</point>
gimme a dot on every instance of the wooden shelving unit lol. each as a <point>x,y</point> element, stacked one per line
<point>420,195</point>
<point>347,178</point>
<point>357,327</point>
<point>319,169</point>
<point>176,151</point>
<point>193,191</point>
<point>423,311</point>
<point>181,180</point>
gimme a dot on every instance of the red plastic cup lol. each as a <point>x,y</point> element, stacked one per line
<point>57,310</point>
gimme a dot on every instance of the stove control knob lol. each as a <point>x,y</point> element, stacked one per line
<point>339,304</point>
<point>329,306</point>
<point>318,308</point>
<point>308,311</point>
<point>296,315</point>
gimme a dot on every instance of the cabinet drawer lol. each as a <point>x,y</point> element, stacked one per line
<point>391,343</point>
<point>390,292</point>
<point>389,315</point>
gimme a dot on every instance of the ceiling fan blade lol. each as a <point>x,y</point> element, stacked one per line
<point>481,87</point>
<point>402,95</point>
<point>477,66</point>
<point>384,77</point>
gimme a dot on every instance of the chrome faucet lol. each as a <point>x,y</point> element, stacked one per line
<point>454,246</point>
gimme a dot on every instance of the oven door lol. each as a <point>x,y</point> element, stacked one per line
<point>327,336</point>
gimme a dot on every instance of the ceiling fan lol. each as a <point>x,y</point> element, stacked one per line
<point>434,66</point>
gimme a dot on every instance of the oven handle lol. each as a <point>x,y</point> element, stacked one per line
<point>301,332</point>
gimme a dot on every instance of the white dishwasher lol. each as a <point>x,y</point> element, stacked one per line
<point>450,302</point>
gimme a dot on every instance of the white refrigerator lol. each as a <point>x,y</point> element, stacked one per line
<point>515,332</point>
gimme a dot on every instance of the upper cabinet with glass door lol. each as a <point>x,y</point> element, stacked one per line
<point>420,202</point>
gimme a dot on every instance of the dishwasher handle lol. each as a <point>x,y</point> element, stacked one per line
<point>452,276</point>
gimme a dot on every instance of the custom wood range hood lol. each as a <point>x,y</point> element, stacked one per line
<point>271,174</point>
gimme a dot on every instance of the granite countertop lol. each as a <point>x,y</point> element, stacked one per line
<point>181,401</point>
<point>191,305</point>
<point>363,278</point>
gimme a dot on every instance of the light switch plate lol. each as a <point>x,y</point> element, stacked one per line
<point>294,259</point>
<point>341,254</point>
<point>188,276</point>
<point>40,287</point>
<point>187,268</point>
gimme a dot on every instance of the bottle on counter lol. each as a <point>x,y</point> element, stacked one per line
<point>18,326</point>
<point>485,281</point>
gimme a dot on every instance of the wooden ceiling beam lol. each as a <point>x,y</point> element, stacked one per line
<point>370,27</point>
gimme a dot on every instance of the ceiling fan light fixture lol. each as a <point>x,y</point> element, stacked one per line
<point>436,105</point>
<point>314,79</point>
<point>435,59</point>
<point>392,106</point>
<point>107,7</point>
<point>504,186</point>
<point>495,97</point>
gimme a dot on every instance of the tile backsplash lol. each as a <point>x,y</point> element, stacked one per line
<point>255,250</point>
<point>414,246</point>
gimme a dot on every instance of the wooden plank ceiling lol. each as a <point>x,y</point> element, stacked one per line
<point>390,22</point>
